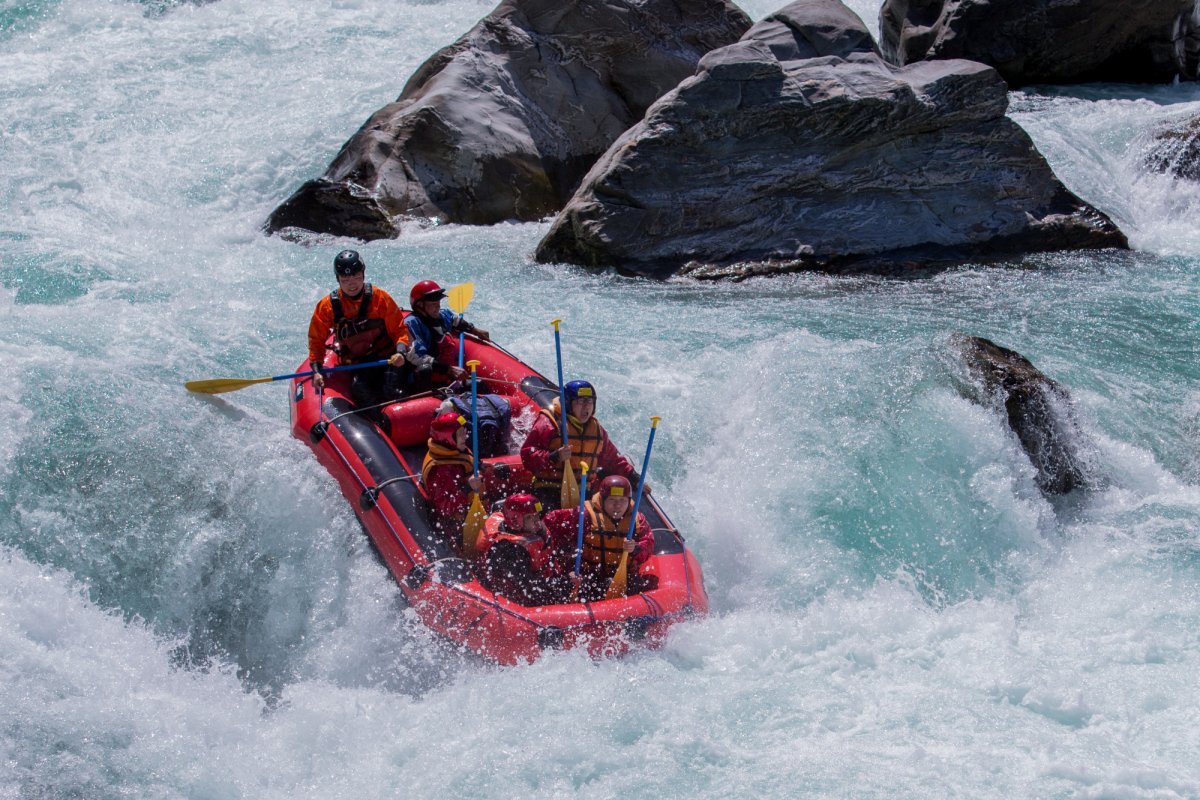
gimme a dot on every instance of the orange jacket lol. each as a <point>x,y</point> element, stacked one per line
<point>382,307</point>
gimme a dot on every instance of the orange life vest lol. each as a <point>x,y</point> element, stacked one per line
<point>603,538</point>
<point>587,441</point>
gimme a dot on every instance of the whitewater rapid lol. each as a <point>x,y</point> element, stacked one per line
<point>189,609</point>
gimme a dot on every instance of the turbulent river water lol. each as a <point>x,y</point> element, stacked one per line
<point>189,609</point>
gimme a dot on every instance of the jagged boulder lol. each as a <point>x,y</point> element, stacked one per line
<point>1039,411</point>
<point>1048,41</point>
<point>503,124</point>
<point>800,148</point>
<point>1175,150</point>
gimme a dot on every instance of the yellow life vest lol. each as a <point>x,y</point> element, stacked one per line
<point>439,455</point>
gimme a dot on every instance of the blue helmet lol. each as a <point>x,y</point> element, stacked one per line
<point>577,389</point>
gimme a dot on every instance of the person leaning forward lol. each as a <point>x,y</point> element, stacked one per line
<point>367,325</point>
<point>543,452</point>
<point>434,354</point>
<point>519,559</point>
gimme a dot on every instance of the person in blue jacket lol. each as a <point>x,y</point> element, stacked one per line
<point>434,331</point>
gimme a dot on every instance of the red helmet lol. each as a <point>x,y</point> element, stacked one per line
<point>425,290</point>
<point>516,506</point>
<point>615,486</point>
<point>445,426</point>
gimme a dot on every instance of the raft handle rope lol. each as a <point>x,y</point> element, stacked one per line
<point>346,463</point>
<point>367,500</point>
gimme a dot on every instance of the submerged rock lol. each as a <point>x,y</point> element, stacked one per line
<point>1048,41</point>
<point>1176,150</point>
<point>1038,409</point>
<point>503,124</point>
<point>798,147</point>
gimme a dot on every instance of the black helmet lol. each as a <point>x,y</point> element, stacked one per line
<point>348,262</point>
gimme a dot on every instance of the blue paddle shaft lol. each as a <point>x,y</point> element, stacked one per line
<point>474,424</point>
<point>330,369</point>
<point>637,503</point>
<point>582,514</point>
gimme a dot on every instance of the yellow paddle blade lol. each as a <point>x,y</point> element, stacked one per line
<point>569,495</point>
<point>219,385</point>
<point>617,587</point>
<point>459,297</point>
<point>472,526</point>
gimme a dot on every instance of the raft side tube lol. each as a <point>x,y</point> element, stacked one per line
<point>386,468</point>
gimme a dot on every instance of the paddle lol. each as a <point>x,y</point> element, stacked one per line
<point>569,494</point>
<point>458,298</point>
<point>220,385</point>
<point>579,538</point>
<point>617,587</point>
<point>475,514</point>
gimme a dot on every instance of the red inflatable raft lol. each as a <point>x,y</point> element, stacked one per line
<point>378,467</point>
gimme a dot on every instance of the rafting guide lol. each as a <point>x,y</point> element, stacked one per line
<point>366,325</point>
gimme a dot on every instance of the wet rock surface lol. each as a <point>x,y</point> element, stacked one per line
<point>1048,41</point>
<point>503,124</point>
<point>1176,150</point>
<point>800,148</point>
<point>1038,409</point>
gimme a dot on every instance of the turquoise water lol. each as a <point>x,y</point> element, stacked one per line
<point>189,609</point>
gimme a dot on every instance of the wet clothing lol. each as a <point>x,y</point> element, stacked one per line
<point>589,442</point>
<point>364,328</point>
<point>435,344</point>
<point>602,543</point>
<point>362,331</point>
<point>444,474</point>
<point>530,569</point>
<point>375,386</point>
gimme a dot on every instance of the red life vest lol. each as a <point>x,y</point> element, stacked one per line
<point>541,554</point>
<point>360,338</point>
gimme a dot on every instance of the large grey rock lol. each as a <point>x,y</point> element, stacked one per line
<point>1048,41</point>
<point>1175,150</point>
<point>1038,409</point>
<point>504,123</point>
<point>829,159</point>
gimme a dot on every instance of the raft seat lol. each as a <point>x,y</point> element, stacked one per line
<point>409,421</point>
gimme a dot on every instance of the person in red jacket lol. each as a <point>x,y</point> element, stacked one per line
<point>606,523</point>
<point>543,452</point>
<point>520,559</point>
<point>367,325</point>
<point>448,472</point>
